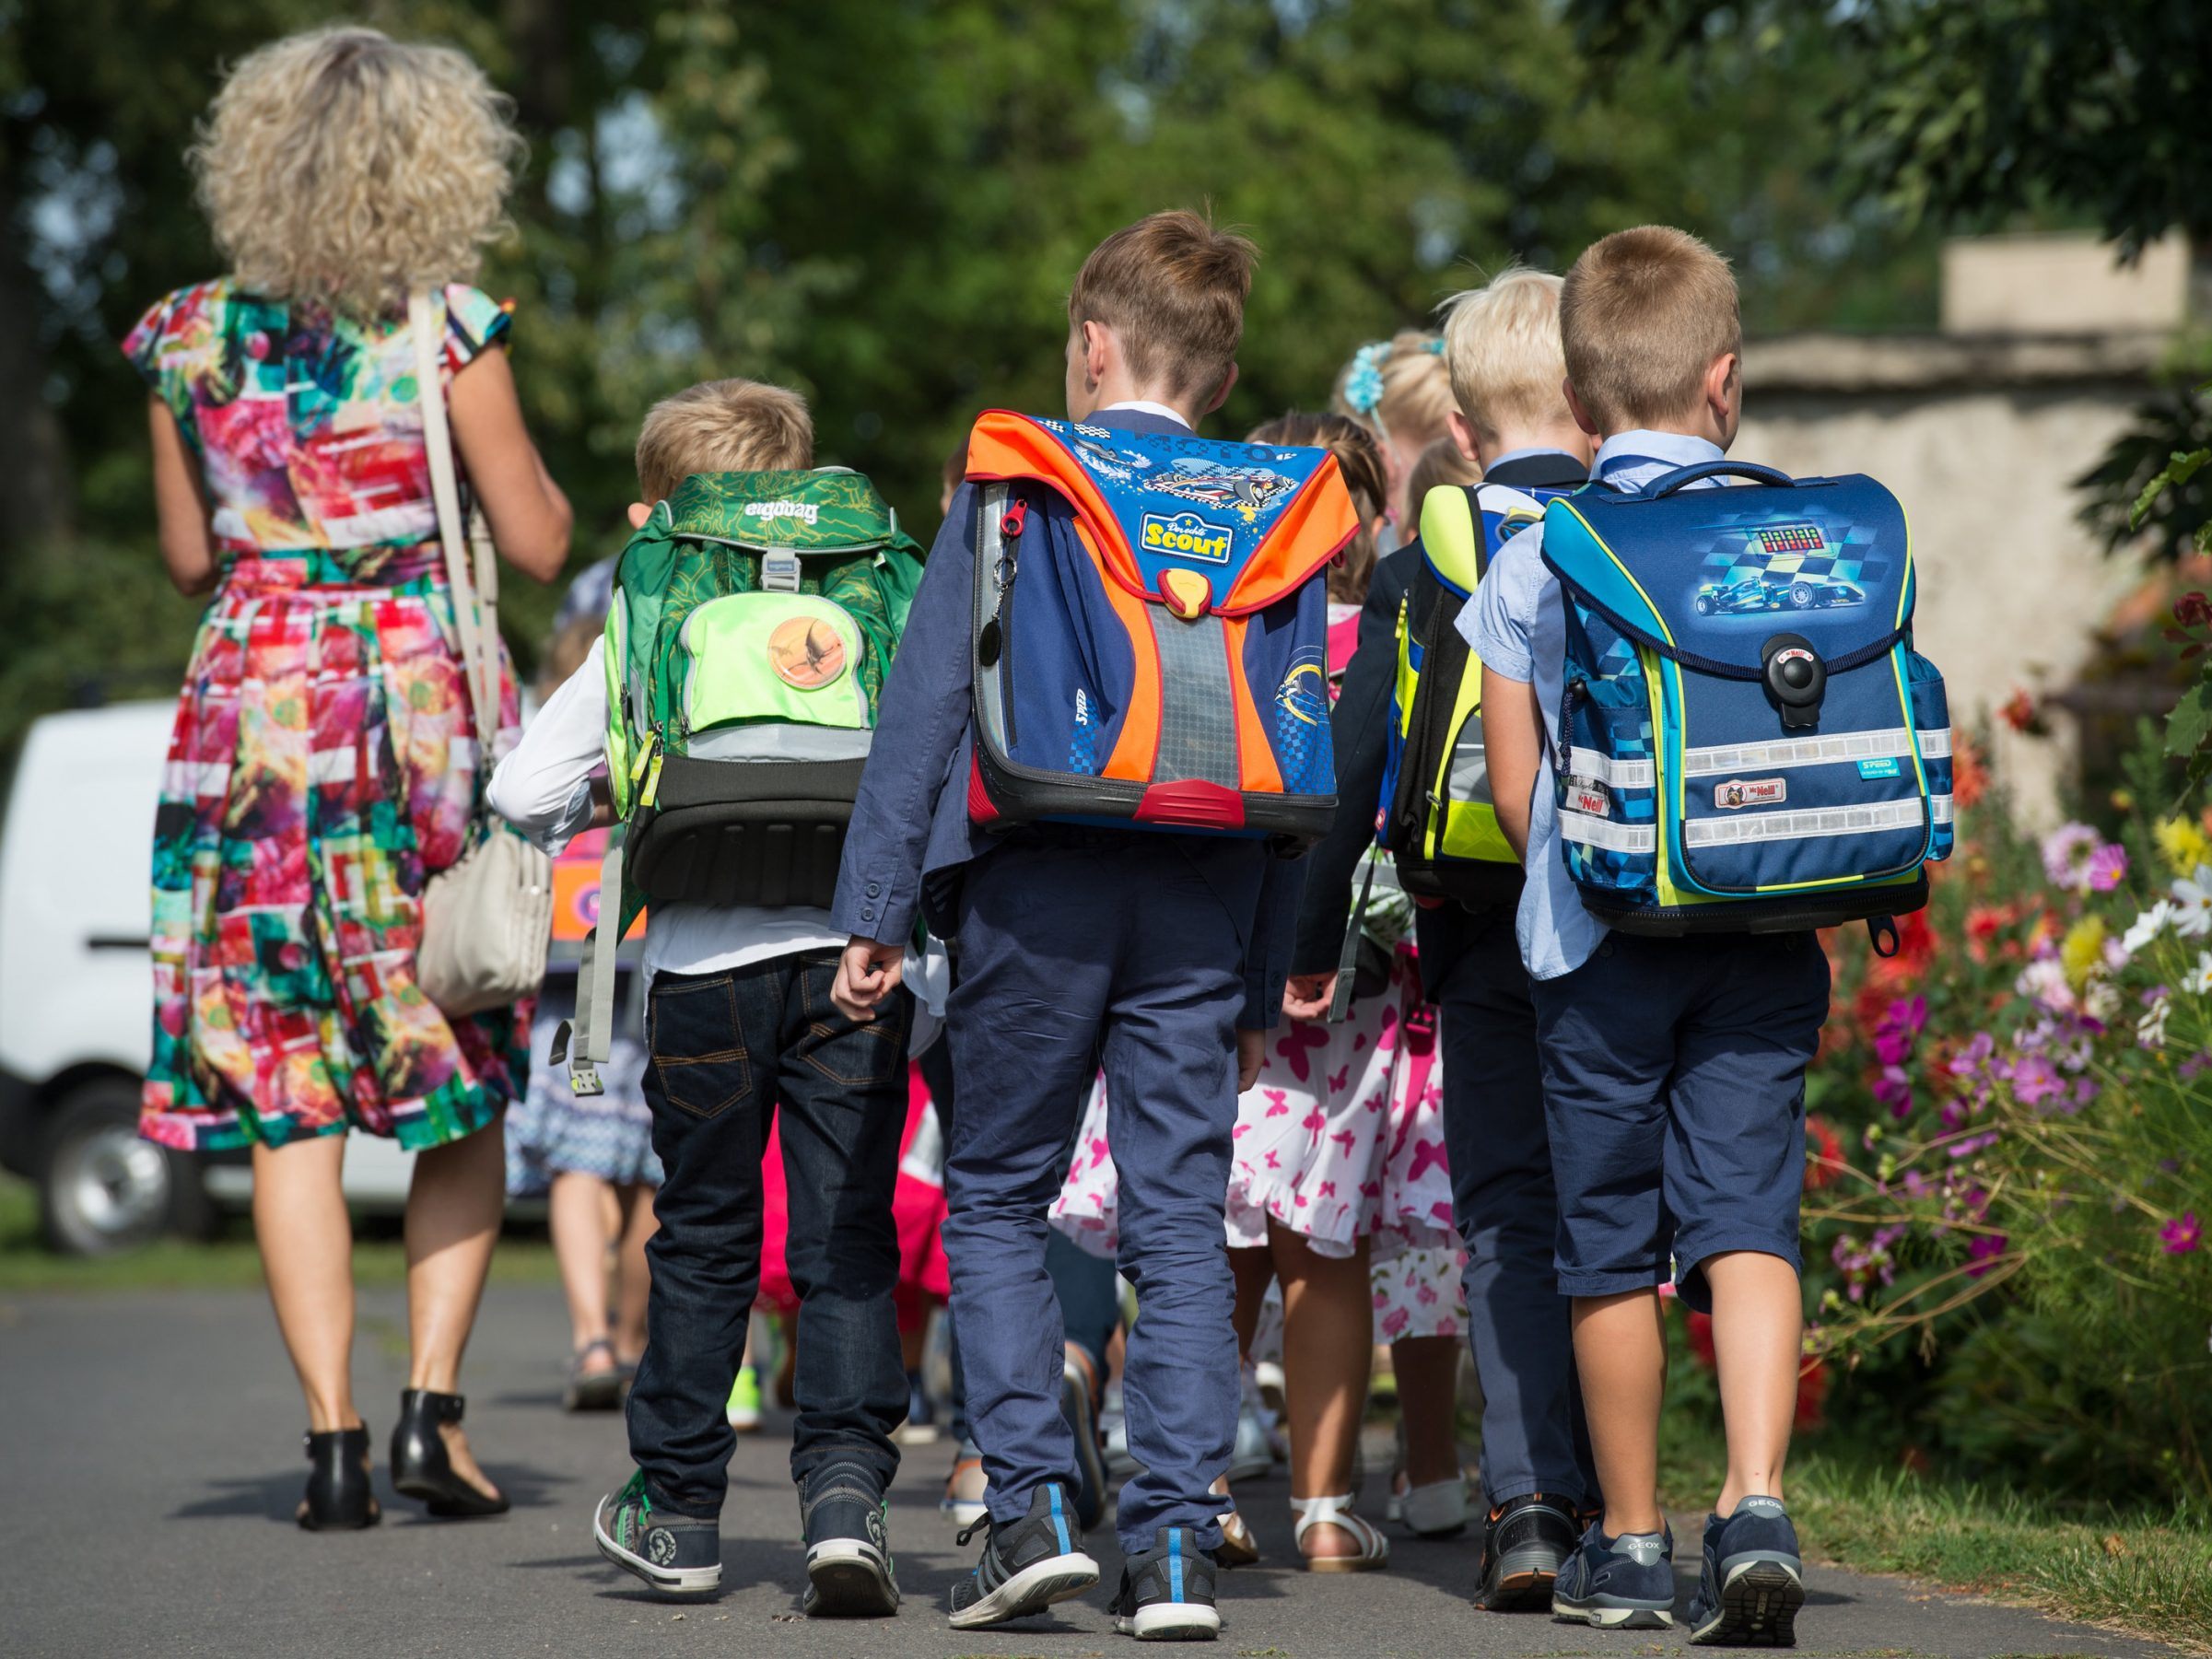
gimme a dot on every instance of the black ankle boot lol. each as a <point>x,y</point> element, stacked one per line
<point>339,1495</point>
<point>420,1467</point>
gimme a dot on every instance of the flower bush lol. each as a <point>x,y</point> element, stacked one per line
<point>2009,1129</point>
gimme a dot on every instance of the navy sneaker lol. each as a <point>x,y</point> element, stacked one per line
<point>677,1555</point>
<point>1027,1564</point>
<point>1526,1542</point>
<point>1166,1591</point>
<point>1623,1584</point>
<point>1753,1582</point>
<point>848,1569</point>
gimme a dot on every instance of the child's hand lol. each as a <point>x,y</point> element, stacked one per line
<point>1307,996</point>
<point>867,973</point>
<point>1251,1049</point>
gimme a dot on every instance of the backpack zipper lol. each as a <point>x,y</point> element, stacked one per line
<point>1011,524</point>
<point>1570,695</point>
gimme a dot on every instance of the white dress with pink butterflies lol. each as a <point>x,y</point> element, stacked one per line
<point>1341,1139</point>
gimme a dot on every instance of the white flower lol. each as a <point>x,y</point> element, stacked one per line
<point>2148,925</point>
<point>2101,1001</point>
<point>2044,981</point>
<point>2193,899</point>
<point>2200,977</point>
<point>2150,1030</point>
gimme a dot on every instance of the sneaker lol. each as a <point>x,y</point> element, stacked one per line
<point>1436,1510</point>
<point>1077,1403</point>
<point>1166,1591</point>
<point>1525,1541</point>
<point>743,1409</point>
<point>1753,1582</point>
<point>842,1517</point>
<point>1623,1584</point>
<point>1027,1564</point>
<point>677,1555</point>
<point>966,1490</point>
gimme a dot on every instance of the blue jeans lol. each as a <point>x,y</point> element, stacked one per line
<point>1118,951</point>
<point>730,1050</point>
<point>1507,1209</point>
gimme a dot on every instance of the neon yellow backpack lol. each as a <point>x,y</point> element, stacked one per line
<point>1436,817</point>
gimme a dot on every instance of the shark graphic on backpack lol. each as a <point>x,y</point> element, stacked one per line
<point>1151,631</point>
<point>753,618</point>
<point>1748,741</point>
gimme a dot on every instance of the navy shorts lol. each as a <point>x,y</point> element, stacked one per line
<point>1674,1093</point>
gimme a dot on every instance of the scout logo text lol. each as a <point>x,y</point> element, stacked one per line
<point>1186,535</point>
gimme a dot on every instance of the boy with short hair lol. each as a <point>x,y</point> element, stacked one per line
<point>1160,954</point>
<point>1502,350</point>
<point>1673,1068</point>
<point>739,1024</point>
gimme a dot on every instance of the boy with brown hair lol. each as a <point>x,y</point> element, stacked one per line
<point>1159,954</point>
<point>1673,1068</point>
<point>742,1033</point>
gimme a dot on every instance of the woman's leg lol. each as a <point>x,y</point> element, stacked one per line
<point>1328,1343</point>
<point>577,1220</point>
<point>632,1279</point>
<point>453,1208</point>
<point>306,1240</point>
<point>1428,1379</point>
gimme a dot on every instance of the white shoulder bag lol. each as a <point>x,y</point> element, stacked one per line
<point>488,919</point>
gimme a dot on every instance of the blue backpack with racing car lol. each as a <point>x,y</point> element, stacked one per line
<point>1748,741</point>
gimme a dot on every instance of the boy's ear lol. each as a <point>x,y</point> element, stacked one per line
<point>1724,385</point>
<point>1463,435</point>
<point>639,513</point>
<point>1221,393</point>
<point>1099,350</point>
<point>1582,415</point>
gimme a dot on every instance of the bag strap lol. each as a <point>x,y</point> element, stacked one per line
<point>476,602</point>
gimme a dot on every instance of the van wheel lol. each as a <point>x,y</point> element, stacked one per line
<point>103,1188</point>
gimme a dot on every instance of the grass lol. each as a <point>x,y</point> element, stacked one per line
<point>228,1261</point>
<point>2150,1573</point>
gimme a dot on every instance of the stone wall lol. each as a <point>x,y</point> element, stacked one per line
<point>1981,438</point>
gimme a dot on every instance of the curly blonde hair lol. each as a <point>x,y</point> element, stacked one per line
<point>342,165</point>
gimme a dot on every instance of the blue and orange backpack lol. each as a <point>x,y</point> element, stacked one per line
<point>1151,631</point>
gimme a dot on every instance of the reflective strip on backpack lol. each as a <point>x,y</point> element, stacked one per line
<point>1198,718</point>
<point>1466,779</point>
<point>1936,742</point>
<point>1811,824</point>
<point>1896,743</point>
<point>1606,834</point>
<point>1614,774</point>
<point>1940,808</point>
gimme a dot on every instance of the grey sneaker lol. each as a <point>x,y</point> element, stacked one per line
<point>677,1555</point>
<point>849,1572</point>
<point>1027,1564</point>
<point>1753,1582</point>
<point>1166,1591</point>
<point>1623,1584</point>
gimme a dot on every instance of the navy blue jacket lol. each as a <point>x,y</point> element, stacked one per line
<point>911,837</point>
<point>1359,731</point>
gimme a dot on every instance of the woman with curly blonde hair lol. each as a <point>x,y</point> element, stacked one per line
<point>323,765</point>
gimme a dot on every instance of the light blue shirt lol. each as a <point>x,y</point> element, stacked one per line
<point>1517,624</point>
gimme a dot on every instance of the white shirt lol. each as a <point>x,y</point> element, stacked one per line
<point>544,789</point>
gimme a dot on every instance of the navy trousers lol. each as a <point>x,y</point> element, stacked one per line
<point>1117,951</point>
<point>1507,1209</point>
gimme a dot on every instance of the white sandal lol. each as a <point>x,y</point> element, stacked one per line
<point>1374,1548</point>
<point>1239,1548</point>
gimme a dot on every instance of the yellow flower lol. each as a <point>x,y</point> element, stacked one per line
<point>2082,954</point>
<point>2182,843</point>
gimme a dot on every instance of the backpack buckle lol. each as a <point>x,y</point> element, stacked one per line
<point>1796,680</point>
<point>779,571</point>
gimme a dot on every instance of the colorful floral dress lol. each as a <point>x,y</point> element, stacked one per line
<point>323,761</point>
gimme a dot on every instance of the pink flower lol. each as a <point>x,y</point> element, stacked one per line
<point>2066,854</point>
<point>1895,1090</point>
<point>2107,868</point>
<point>2033,1080</point>
<point>2182,1235</point>
<point>1984,1252</point>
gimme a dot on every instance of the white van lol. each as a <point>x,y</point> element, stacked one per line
<point>77,995</point>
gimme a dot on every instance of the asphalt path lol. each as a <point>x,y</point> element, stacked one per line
<point>149,1462</point>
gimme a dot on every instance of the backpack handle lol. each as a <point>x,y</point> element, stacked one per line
<point>1668,483</point>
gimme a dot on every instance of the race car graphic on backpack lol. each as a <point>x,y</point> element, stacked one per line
<point>1147,667</point>
<point>1723,770</point>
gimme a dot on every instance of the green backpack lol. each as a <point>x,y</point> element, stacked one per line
<point>753,618</point>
